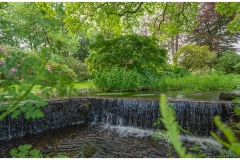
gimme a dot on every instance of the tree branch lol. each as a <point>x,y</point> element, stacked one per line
<point>134,11</point>
<point>163,14</point>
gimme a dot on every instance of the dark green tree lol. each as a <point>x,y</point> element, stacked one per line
<point>229,62</point>
<point>129,52</point>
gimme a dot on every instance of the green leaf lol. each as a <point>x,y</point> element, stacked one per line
<point>35,153</point>
<point>14,152</point>
<point>15,114</point>
<point>169,121</point>
<point>24,148</point>
<point>37,114</point>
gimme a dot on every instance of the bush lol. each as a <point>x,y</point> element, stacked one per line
<point>78,67</point>
<point>132,51</point>
<point>61,69</point>
<point>174,71</point>
<point>118,79</point>
<point>228,63</point>
<point>24,61</point>
<point>194,57</point>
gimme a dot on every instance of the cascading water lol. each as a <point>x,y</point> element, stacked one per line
<point>195,117</point>
<point>123,127</point>
<point>57,113</point>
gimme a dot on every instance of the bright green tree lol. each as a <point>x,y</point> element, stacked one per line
<point>229,9</point>
<point>117,18</point>
<point>129,52</point>
<point>37,27</point>
<point>194,57</point>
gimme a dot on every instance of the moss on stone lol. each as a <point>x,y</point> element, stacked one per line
<point>89,150</point>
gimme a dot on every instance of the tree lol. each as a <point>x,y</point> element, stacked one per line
<point>83,51</point>
<point>194,57</point>
<point>211,30</point>
<point>133,51</point>
<point>230,9</point>
<point>229,62</point>
<point>114,19</point>
<point>36,27</point>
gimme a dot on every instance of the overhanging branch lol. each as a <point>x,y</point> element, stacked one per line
<point>134,11</point>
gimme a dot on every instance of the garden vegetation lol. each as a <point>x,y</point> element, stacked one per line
<point>47,51</point>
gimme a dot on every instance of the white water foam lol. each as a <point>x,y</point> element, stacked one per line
<point>203,141</point>
<point>125,131</point>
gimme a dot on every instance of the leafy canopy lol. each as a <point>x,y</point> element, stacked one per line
<point>229,62</point>
<point>131,51</point>
<point>229,9</point>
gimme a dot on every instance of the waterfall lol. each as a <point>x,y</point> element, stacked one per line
<point>58,113</point>
<point>194,116</point>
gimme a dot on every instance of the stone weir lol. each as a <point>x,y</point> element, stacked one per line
<point>194,116</point>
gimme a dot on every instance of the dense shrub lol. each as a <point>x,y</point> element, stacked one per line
<point>118,79</point>
<point>229,62</point>
<point>194,57</point>
<point>24,61</point>
<point>174,71</point>
<point>78,67</point>
<point>61,69</point>
<point>131,51</point>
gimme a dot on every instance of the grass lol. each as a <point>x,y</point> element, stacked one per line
<point>187,84</point>
<point>86,85</point>
<point>201,83</point>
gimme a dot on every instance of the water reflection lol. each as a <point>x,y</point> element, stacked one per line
<point>204,96</point>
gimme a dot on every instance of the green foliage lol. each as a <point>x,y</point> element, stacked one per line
<point>233,143</point>
<point>133,51</point>
<point>38,27</point>
<point>228,62</point>
<point>198,151</point>
<point>118,79</point>
<point>78,67</point>
<point>25,71</point>
<point>170,123</point>
<point>118,18</point>
<point>174,71</point>
<point>83,50</point>
<point>200,82</point>
<point>24,151</point>
<point>59,69</point>
<point>229,9</point>
<point>194,57</point>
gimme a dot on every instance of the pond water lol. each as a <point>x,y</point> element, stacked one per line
<point>171,95</point>
<point>105,141</point>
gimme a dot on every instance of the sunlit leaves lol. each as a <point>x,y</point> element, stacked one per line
<point>125,17</point>
<point>103,16</point>
<point>229,9</point>
<point>194,57</point>
<point>46,9</point>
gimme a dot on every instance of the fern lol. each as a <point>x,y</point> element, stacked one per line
<point>232,144</point>
<point>169,121</point>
